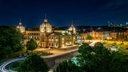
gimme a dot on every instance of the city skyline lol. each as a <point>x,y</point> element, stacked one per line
<point>62,13</point>
<point>64,35</point>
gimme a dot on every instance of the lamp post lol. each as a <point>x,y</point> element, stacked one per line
<point>49,50</point>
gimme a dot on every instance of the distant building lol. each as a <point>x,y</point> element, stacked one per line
<point>106,33</point>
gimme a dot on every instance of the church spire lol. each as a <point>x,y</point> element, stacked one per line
<point>20,23</point>
<point>45,15</point>
<point>20,20</point>
<point>45,19</point>
<point>72,23</point>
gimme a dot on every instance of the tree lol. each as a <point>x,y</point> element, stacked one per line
<point>67,66</point>
<point>33,63</point>
<point>84,49</point>
<point>10,41</point>
<point>88,37</point>
<point>100,59</point>
<point>31,45</point>
<point>97,59</point>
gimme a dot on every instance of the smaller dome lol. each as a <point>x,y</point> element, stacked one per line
<point>45,20</point>
<point>72,29</point>
<point>20,23</point>
<point>20,27</point>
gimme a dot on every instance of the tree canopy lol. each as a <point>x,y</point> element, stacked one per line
<point>67,66</point>
<point>31,45</point>
<point>33,63</point>
<point>10,40</point>
<point>88,37</point>
<point>97,59</point>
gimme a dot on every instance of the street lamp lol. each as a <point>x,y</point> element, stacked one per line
<point>49,49</point>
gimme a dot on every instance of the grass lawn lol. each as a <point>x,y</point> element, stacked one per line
<point>121,46</point>
<point>14,66</point>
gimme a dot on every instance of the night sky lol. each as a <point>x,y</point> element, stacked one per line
<point>63,12</point>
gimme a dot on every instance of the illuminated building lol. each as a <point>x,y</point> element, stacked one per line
<point>47,37</point>
<point>106,33</point>
<point>20,27</point>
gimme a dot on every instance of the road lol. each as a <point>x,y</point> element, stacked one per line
<point>93,43</point>
<point>55,51</point>
<point>52,60</point>
<point>4,65</point>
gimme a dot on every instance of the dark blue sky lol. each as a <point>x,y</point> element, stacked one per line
<point>62,12</point>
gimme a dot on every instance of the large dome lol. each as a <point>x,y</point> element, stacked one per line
<point>45,26</point>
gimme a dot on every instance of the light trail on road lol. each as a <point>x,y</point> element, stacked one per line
<point>3,66</point>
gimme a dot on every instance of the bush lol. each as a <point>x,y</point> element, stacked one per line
<point>33,63</point>
<point>14,66</point>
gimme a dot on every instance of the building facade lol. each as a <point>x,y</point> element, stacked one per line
<point>107,34</point>
<point>47,37</point>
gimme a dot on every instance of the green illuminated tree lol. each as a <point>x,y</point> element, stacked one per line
<point>31,45</point>
<point>84,49</point>
<point>67,66</point>
<point>88,37</point>
<point>10,41</point>
<point>33,63</point>
<point>96,59</point>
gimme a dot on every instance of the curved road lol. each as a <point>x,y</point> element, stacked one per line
<point>3,65</point>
